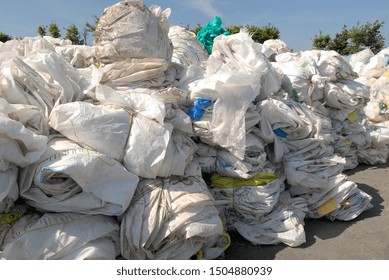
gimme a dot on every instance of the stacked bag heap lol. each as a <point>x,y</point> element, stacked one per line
<point>154,143</point>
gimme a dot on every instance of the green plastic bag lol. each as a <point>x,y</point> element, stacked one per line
<point>208,33</point>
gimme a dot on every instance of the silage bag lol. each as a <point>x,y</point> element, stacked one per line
<point>58,236</point>
<point>128,29</point>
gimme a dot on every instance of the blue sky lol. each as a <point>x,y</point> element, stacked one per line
<point>297,20</point>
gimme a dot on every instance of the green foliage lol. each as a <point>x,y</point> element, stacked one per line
<point>54,30</point>
<point>4,37</point>
<point>352,40</point>
<point>261,34</point>
<point>321,42</point>
<point>42,30</point>
<point>233,29</point>
<point>89,28</point>
<point>73,35</point>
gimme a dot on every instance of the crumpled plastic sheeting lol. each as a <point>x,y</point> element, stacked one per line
<point>41,79</point>
<point>30,116</point>
<point>345,201</point>
<point>287,124</point>
<point>252,199</point>
<point>327,64</point>
<point>129,30</point>
<point>300,80</point>
<point>274,47</point>
<point>377,109</point>
<point>351,207</point>
<point>187,49</point>
<point>18,144</point>
<point>314,173</point>
<point>373,66</point>
<point>21,84</point>
<point>350,133</point>
<point>212,159</point>
<point>147,72</point>
<point>346,94</point>
<point>232,81</point>
<point>116,132</point>
<point>62,78</point>
<point>170,218</point>
<point>59,236</point>
<point>69,178</point>
<point>28,45</point>
<point>284,224</point>
<point>79,56</point>
<point>376,149</point>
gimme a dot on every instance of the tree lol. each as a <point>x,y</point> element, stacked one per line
<point>234,29</point>
<point>54,30</point>
<point>73,35</point>
<point>42,30</point>
<point>261,34</point>
<point>321,42</point>
<point>89,28</point>
<point>352,40</point>
<point>4,37</point>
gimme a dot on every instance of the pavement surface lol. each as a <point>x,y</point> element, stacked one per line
<point>364,238</point>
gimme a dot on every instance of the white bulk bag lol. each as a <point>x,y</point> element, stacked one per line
<point>30,116</point>
<point>187,49</point>
<point>284,224</point>
<point>128,29</point>
<point>170,218</point>
<point>69,178</point>
<point>61,236</point>
<point>346,94</point>
<point>19,145</point>
<point>249,199</point>
<point>21,84</point>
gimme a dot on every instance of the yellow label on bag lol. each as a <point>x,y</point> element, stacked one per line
<point>327,207</point>
<point>353,117</point>
<point>10,218</point>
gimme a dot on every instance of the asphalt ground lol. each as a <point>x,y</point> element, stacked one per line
<point>364,238</point>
